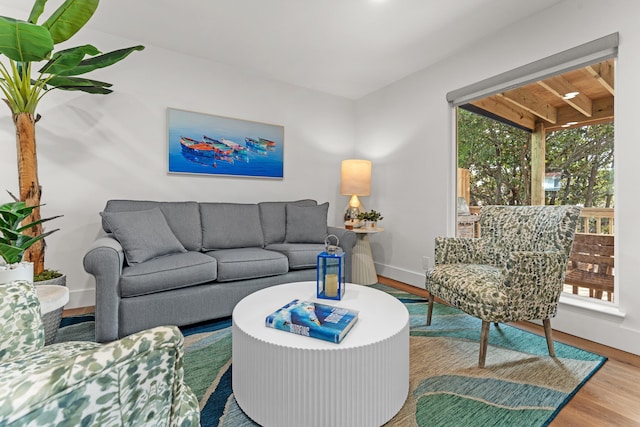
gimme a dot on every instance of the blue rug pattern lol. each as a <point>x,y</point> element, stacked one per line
<point>520,386</point>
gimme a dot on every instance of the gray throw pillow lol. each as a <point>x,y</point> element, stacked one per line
<point>306,224</point>
<point>273,218</point>
<point>230,226</point>
<point>143,234</point>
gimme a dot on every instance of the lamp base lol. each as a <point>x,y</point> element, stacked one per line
<point>352,209</point>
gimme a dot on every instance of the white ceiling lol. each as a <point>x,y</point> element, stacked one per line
<point>343,47</point>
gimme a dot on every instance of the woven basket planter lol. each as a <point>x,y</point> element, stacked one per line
<point>51,322</point>
<point>52,319</point>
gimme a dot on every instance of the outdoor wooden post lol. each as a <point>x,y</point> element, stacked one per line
<point>538,153</point>
<point>464,186</point>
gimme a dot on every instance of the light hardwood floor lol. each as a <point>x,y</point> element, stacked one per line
<point>610,398</point>
<point>78,311</point>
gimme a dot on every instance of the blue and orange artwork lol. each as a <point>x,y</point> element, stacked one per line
<point>214,145</point>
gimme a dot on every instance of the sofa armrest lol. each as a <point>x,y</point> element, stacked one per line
<point>137,380</point>
<point>21,329</point>
<point>347,240</point>
<point>457,250</point>
<point>104,260</point>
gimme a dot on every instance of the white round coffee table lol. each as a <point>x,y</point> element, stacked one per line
<point>283,379</point>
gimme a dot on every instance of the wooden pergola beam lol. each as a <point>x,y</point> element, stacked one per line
<point>531,103</point>
<point>507,110</point>
<point>559,86</point>
<point>603,73</point>
<point>602,113</point>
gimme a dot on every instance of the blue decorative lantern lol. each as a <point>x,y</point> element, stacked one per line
<point>330,271</point>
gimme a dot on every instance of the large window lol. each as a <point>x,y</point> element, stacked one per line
<point>546,141</point>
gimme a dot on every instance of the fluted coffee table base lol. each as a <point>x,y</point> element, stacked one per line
<point>284,379</point>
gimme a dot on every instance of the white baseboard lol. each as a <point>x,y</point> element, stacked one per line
<point>412,278</point>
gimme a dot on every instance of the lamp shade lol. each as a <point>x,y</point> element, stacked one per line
<point>355,177</point>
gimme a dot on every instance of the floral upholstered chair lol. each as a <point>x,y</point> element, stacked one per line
<point>514,271</point>
<point>136,381</point>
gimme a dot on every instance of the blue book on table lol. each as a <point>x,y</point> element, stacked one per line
<point>312,319</point>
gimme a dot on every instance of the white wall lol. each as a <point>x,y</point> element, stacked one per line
<point>92,148</point>
<point>406,129</point>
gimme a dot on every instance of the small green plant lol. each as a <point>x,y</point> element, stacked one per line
<point>13,241</point>
<point>47,275</point>
<point>370,216</point>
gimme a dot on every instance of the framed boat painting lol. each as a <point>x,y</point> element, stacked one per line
<point>214,145</point>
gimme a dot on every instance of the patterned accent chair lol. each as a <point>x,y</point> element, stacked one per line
<point>514,271</point>
<point>136,381</point>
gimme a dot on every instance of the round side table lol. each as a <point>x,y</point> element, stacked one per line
<point>363,270</point>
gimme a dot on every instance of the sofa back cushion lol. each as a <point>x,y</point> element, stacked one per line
<point>306,224</point>
<point>183,218</point>
<point>144,235</point>
<point>230,225</point>
<point>273,218</point>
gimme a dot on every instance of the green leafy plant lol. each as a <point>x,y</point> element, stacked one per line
<point>24,82</point>
<point>47,275</point>
<point>13,239</point>
<point>370,216</point>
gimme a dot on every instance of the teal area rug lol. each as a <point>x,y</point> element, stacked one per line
<point>520,385</point>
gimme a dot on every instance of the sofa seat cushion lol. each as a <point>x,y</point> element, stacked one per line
<point>166,273</point>
<point>248,263</point>
<point>300,255</point>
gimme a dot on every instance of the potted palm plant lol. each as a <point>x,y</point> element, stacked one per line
<point>30,69</point>
<point>14,240</point>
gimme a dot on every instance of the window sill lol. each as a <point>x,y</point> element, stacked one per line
<point>585,304</point>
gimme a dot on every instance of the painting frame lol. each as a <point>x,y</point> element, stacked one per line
<point>208,144</point>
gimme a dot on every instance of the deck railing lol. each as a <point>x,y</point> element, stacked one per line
<point>596,221</point>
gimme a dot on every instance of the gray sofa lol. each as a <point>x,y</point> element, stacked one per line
<point>179,263</point>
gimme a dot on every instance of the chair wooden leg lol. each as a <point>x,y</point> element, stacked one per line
<point>484,340</point>
<point>548,335</point>
<point>430,309</point>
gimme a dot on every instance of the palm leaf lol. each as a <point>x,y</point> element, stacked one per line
<point>36,11</point>
<point>101,61</point>
<point>24,42</point>
<point>77,83</point>
<point>68,59</point>
<point>69,18</point>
